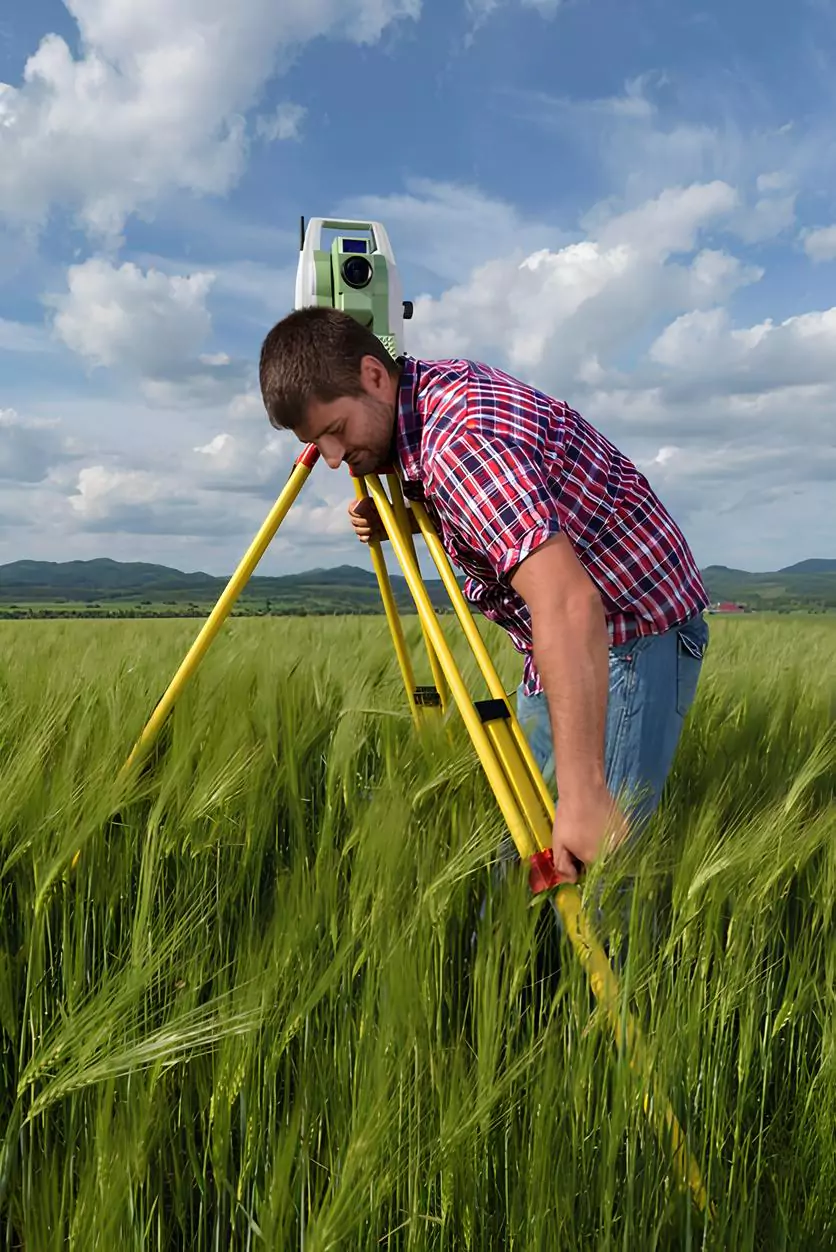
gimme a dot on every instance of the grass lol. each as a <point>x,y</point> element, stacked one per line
<point>279,1003</point>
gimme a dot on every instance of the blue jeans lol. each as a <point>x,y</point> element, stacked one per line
<point>652,685</point>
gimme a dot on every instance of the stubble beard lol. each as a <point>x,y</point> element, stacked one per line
<point>381,455</point>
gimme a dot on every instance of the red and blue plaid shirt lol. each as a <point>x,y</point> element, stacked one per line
<point>501,467</point>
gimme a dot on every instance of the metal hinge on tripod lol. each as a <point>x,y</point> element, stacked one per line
<point>427,697</point>
<point>492,710</point>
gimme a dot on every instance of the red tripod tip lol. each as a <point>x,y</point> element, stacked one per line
<point>308,456</point>
<point>542,874</point>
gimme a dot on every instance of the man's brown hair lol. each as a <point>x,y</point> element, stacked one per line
<point>314,354</point>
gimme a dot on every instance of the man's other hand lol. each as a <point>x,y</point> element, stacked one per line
<point>366,520</point>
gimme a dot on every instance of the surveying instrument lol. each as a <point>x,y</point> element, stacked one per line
<point>358,275</point>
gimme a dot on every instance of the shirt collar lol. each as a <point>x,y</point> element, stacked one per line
<point>409,423</point>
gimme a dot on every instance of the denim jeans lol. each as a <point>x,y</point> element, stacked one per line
<point>652,684</point>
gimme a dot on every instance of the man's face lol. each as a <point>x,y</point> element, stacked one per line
<point>355,430</point>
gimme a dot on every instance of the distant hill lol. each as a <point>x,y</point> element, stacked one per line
<point>102,578</point>
<point>809,583</point>
<point>816,566</point>
<point>104,581</point>
<point>96,580</point>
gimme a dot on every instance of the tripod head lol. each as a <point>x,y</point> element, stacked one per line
<point>357,274</point>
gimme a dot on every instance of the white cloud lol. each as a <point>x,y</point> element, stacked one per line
<point>738,473</point>
<point>110,501</point>
<point>255,288</point>
<point>122,316</point>
<point>671,221</point>
<point>222,489</point>
<point>704,350</point>
<point>767,218</point>
<point>155,101</point>
<point>217,488</point>
<point>669,411</point>
<point>255,463</point>
<point>736,465</point>
<point>559,312</point>
<point>642,147</point>
<point>778,180</point>
<point>30,448</point>
<point>99,487</point>
<point>266,288</point>
<point>148,324</point>
<point>250,461</point>
<point>284,123</point>
<point>194,388</point>
<point>634,103</point>
<point>446,229</point>
<point>167,512</point>
<point>482,9</point>
<point>247,406</point>
<point>820,245</point>
<point>22,337</point>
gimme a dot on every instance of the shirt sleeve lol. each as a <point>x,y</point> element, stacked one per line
<point>495,491</point>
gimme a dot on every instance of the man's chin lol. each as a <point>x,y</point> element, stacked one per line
<point>370,465</point>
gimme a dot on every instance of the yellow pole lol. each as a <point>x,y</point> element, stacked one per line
<point>478,734</point>
<point>302,467</point>
<point>301,470</point>
<point>392,615</point>
<point>477,643</point>
<point>402,514</point>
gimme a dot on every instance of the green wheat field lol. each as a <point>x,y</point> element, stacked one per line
<point>282,1002</point>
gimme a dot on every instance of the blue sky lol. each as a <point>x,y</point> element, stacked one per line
<point>632,205</point>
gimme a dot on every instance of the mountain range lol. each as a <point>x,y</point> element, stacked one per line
<point>809,583</point>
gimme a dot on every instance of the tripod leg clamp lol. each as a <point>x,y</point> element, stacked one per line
<point>542,875</point>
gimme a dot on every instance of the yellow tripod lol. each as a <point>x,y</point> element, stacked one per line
<point>515,779</point>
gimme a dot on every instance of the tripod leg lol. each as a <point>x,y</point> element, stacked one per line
<point>475,727</point>
<point>302,467</point>
<point>401,513</point>
<point>477,643</point>
<point>508,773</point>
<point>392,615</point>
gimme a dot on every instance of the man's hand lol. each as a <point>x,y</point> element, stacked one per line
<point>584,828</point>
<point>366,521</point>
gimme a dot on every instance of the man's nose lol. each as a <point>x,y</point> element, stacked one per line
<point>331,452</point>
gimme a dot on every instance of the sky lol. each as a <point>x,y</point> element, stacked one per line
<point>630,204</point>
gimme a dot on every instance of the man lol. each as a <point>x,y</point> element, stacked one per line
<point>563,543</point>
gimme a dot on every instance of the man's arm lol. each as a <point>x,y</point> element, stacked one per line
<point>571,652</point>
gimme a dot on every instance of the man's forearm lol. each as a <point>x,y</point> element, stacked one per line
<point>571,652</point>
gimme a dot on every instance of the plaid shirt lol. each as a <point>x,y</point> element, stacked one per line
<point>501,467</point>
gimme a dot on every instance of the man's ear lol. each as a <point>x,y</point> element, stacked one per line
<point>374,375</point>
